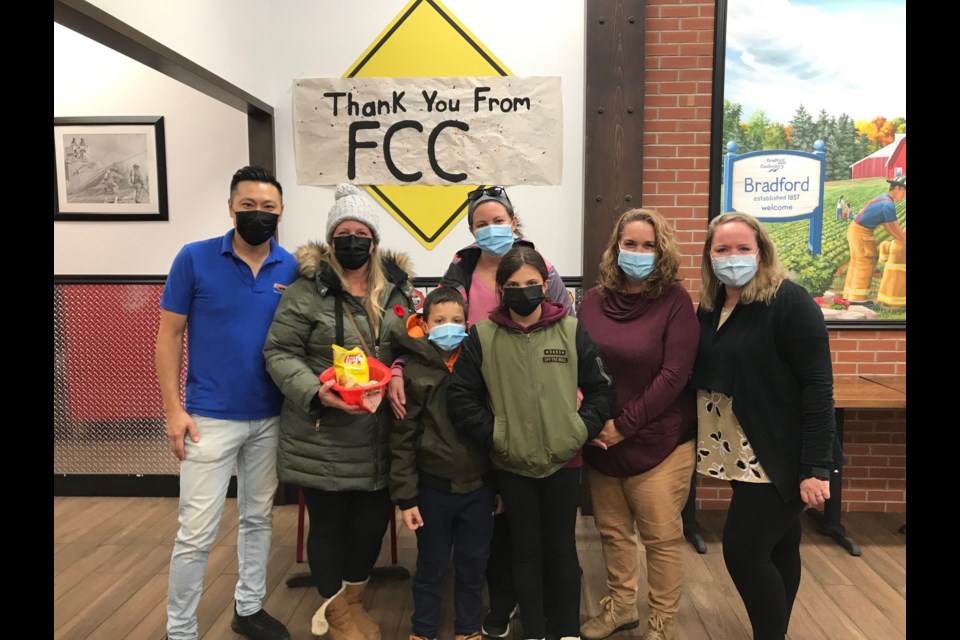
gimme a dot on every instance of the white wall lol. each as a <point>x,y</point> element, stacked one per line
<point>264,46</point>
<point>205,142</point>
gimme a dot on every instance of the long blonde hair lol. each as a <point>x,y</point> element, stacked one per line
<point>770,272</point>
<point>664,274</point>
<point>376,283</point>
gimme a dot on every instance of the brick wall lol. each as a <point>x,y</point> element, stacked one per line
<point>676,173</point>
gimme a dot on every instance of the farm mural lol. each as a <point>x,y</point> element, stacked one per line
<point>795,73</point>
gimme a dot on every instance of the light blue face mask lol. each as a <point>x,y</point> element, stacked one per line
<point>495,239</point>
<point>637,266</point>
<point>735,271</point>
<point>447,336</point>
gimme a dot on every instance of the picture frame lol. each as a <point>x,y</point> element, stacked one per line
<point>109,168</point>
<point>787,80</point>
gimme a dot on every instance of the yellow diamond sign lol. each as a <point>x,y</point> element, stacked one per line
<point>425,40</point>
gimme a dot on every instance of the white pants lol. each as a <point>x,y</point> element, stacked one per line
<point>205,473</point>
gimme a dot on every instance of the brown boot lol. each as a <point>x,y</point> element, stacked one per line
<point>468,636</point>
<point>353,591</point>
<point>333,619</point>
<point>614,616</point>
<point>659,627</point>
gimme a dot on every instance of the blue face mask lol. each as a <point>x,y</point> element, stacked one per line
<point>735,271</point>
<point>447,336</point>
<point>637,266</point>
<point>495,239</point>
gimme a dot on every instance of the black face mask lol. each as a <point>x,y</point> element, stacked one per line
<point>256,227</point>
<point>523,300</point>
<point>352,252</point>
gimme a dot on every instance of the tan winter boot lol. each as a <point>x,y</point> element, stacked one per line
<point>614,616</point>
<point>659,627</point>
<point>353,591</point>
<point>333,619</point>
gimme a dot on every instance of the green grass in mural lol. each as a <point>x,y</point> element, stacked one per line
<point>826,271</point>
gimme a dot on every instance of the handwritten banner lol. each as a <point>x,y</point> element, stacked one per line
<point>428,131</point>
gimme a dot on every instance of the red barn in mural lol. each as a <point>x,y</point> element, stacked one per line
<point>884,163</point>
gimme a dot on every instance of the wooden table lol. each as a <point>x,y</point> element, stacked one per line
<point>897,383</point>
<point>855,392</point>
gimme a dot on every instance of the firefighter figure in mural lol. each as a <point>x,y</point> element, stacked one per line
<point>864,254</point>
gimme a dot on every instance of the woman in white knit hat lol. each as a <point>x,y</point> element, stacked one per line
<point>349,293</point>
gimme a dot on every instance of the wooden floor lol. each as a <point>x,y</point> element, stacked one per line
<point>111,555</point>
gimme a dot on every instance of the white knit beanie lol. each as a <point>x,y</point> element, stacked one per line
<point>350,204</point>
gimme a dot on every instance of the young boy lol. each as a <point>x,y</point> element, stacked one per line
<point>441,482</point>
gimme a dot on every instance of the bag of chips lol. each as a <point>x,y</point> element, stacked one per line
<point>350,366</point>
<point>358,380</point>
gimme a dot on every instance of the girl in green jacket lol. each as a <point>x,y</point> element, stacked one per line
<point>514,390</point>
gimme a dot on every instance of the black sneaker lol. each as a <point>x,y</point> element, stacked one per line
<point>495,626</point>
<point>259,626</point>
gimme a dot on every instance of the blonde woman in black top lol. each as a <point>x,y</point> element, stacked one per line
<point>765,412</point>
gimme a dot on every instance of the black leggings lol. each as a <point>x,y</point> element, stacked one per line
<point>546,571</point>
<point>346,533</point>
<point>761,548</point>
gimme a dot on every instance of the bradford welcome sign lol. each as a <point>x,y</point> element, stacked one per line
<point>426,114</point>
<point>777,186</point>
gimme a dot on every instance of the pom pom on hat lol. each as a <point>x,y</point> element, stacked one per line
<point>350,204</point>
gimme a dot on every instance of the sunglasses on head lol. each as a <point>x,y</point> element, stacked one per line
<point>493,192</point>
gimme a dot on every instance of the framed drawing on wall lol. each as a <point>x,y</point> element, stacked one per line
<point>109,168</point>
<point>792,79</point>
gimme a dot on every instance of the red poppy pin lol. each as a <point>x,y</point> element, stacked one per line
<point>399,310</point>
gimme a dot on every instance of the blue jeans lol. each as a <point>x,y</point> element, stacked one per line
<point>464,522</point>
<point>205,473</point>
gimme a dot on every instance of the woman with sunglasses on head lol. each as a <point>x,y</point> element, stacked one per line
<point>514,391</point>
<point>496,228</point>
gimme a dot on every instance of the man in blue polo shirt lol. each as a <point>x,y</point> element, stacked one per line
<point>225,290</point>
<point>880,211</point>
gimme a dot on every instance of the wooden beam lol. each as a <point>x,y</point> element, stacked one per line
<point>613,127</point>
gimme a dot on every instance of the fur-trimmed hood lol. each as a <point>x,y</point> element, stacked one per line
<point>314,256</point>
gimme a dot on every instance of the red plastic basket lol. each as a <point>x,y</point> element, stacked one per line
<point>367,397</point>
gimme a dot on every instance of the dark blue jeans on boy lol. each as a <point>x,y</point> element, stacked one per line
<point>462,522</point>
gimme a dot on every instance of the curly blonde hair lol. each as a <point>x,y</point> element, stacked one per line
<point>770,272</point>
<point>612,277</point>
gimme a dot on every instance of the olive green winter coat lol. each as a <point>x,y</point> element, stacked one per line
<point>320,447</point>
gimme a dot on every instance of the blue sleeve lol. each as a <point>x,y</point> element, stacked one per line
<point>178,291</point>
<point>889,212</point>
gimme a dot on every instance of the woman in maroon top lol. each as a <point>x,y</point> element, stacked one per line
<point>640,466</point>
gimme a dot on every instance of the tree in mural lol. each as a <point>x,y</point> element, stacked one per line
<point>732,127</point>
<point>846,141</point>
<point>842,148</point>
<point>803,131</point>
<point>879,132</point>
<point>754,131</point>
<point>824,125</point>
